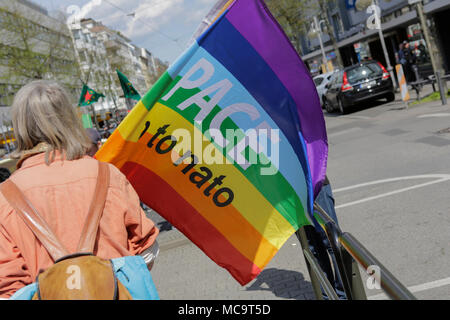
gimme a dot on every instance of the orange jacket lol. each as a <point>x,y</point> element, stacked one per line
<point>62,193</point>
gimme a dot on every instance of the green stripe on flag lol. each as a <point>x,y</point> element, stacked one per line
<point>157,91</point>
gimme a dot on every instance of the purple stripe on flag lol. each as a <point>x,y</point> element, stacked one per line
<point>274,47</point>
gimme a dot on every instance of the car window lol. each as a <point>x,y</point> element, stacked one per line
<point>318,81</point>
<point>339,76</point>
<point>366,71</point>
<point>333,79</point>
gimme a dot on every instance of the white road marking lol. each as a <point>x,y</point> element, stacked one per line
<point>356,117</point>
<point>439,178</point>
<point>343,132</point>
<point>434,115</point>
<point>417,288</point>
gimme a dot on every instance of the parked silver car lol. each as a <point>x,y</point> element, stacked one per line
<point>321,81</point>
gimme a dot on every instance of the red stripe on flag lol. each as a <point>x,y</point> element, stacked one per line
<point>161,197</point>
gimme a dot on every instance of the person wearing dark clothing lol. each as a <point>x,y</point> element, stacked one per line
<point>319,244</point>
<point>410,62</point>
<point>4,174</point>
<point>401,56</point>
<point>96,141</point>
<point>424,58</point>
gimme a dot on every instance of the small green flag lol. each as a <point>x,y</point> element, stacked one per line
<point>87,121</point>
<point>88,96</point>
<point>128,90</point>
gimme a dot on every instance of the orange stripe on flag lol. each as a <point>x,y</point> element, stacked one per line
<point>227,220</point>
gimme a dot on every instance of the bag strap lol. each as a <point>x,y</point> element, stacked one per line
<point>42,230</point>
<point>33,219</point>
<point>90,229</point>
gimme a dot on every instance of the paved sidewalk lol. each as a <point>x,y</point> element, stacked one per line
<point>184,272</point>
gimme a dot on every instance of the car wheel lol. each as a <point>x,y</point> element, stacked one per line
<point>390,97</point>
<point>341,107</point>
<point>328,106</point>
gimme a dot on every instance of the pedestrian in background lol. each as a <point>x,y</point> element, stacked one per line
<point>4,174</point>
<point>96,141</point>
<point>58,179</point>
<point>410,62</point>
<point>400,55</point>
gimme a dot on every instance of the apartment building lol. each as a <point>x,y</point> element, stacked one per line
<point>101,52</point>
<point>95,68</point>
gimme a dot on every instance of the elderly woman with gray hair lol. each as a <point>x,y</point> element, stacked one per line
<point>57,177</point>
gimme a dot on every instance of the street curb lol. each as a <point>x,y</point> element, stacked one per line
<point>173,244</point>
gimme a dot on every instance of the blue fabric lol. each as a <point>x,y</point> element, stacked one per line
<point>131,271</point>
<point>26,293</point>
<point>325,200</point>
<point>320,246</point>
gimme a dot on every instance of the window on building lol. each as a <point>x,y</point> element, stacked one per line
<point>83,57</point>
<point>338,23</point>
<point>76,34</point>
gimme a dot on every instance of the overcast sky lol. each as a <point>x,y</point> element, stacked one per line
<point>164,27</point>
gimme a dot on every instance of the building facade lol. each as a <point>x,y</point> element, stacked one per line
<point>400,22</point>
<point>33,45</point>
<point>101,51</point>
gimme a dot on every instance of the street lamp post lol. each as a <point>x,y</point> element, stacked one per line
<point>365,4</point>
<point>383,44</point>
<point>316,28</point>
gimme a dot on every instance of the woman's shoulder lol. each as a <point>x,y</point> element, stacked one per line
<point>5,208</point>
<point>117,178</point>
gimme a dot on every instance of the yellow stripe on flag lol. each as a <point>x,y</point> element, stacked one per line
<point>258,212</point>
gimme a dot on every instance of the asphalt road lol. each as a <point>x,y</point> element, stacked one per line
<point>390,171</point>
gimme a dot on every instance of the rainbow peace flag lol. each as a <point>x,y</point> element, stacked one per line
<point>230,144</point>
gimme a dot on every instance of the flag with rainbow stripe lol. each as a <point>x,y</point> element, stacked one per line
<point>230,144</point>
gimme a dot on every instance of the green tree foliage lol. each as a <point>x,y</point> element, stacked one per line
<point>31,50</point>
<point>296,17</point>
<point>292,16</point>
<point>324,7</point>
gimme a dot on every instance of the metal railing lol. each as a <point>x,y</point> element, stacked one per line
<point>349,252</point>
<point>440,81</point>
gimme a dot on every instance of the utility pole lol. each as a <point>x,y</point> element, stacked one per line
<point>426,33</point>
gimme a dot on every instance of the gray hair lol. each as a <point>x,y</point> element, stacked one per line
<point>42,113</point>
